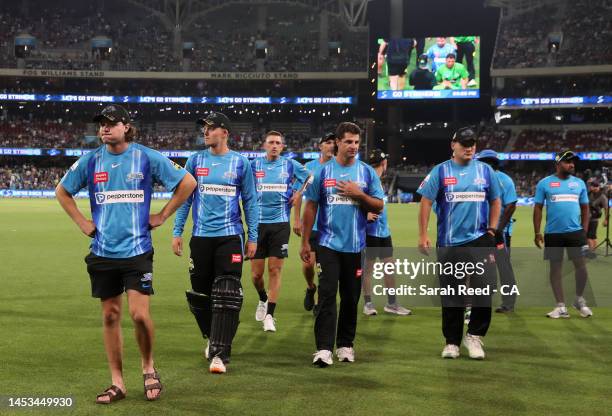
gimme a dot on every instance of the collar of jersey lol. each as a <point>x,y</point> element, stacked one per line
<point>117,154</point>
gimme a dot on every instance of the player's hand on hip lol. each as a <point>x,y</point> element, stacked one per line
<point>538,240</point>
<point>349,189</point>
<point>177,246</point>
<point>155,220</point>
<point>251,248</point>
<point>297,227</point>
<point>305,252</point>
<point>88,228</point>
<point>424,245</point>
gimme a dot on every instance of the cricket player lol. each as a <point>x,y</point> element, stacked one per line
<point>326,148</point>
<point>467,196</point>
<point>276,177</point>
<point>451,75</point>
<point>567,219</point>
<point>466,47</point>
<point>343,190</point>
<point>215,265</point>
<point>437,53</point>
<point>379,246</point>
<point>119,176</point>
<point>503,234</point>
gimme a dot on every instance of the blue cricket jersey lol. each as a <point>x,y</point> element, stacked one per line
<point>562,198</point>
<point>120,188</point>
<point>380,227</point>
<point>275,182</point>
<point>508,196</point>
<point>437,55</point>
<point>341,221</point>
<point>313,166</point>
<point>223,180</point>
<point>462,195</point>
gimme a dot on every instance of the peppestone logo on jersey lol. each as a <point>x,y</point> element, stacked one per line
<point>118,197</point>
<point>465,196</point>
<point>272,187</point>
<point>564,198</point>
<point>221,190</point>
<point>335,199</point>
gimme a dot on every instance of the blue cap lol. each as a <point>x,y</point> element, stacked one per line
<point>487,154</point>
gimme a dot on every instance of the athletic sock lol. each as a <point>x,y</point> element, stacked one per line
<point>271,307</point>
<point>367,298</point>
<point>263,296</point>
<point>561,305</point>
<point>392,299</point>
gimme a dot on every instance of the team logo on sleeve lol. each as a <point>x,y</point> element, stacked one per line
<point>329,183</point>
<point>201,171</point>
<point>424,181</point>
<point>100,177</point>
<point>260,174</point>
<point>450,180</point>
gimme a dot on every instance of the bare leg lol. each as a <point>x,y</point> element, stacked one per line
<point>581,275</point>
<point>113,340</point>
<point>257,271</point>
<point>275,266</point>
<point>144,331</point>
<point>555,280</point>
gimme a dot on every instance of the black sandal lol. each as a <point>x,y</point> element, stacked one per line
<point>118,395</point>
<point>155,386</point>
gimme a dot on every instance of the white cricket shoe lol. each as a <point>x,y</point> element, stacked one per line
<point>451,351</point>
<point>369,309</point>
<point>581,306</point>
<point>472,83</point>
<point>558,312</point>
<point>397,309</point>
<point>217,366</point>
<point>346,354</point>
<point>269,323</point>
<point>474,344</point>
<point>261,311</point>
<point>323,358</point>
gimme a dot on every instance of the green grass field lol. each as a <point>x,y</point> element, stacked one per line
<point>383,79</point>
<point>51,343</point>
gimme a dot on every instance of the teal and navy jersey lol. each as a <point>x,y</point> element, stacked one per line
<point>275,182</point>
<point>120,188</point>
<point>380,227</point>
<point>462,195</point>
<point>313,166</point>
<point>508,196</point>
<point>223,180</point>
<point>341,221</point>
<point>437,55</point>
<point>562,198</point>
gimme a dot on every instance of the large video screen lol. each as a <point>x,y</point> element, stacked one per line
<point>428,68</point>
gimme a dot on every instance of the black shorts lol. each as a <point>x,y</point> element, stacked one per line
<point>273,240</point>
<point>314,240</point>
<point>592,231</point>
<point>111,277</point>
<point>397,69</point>
<point>214,256</point>
<point>556,243</point>
<point>378,247</point>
